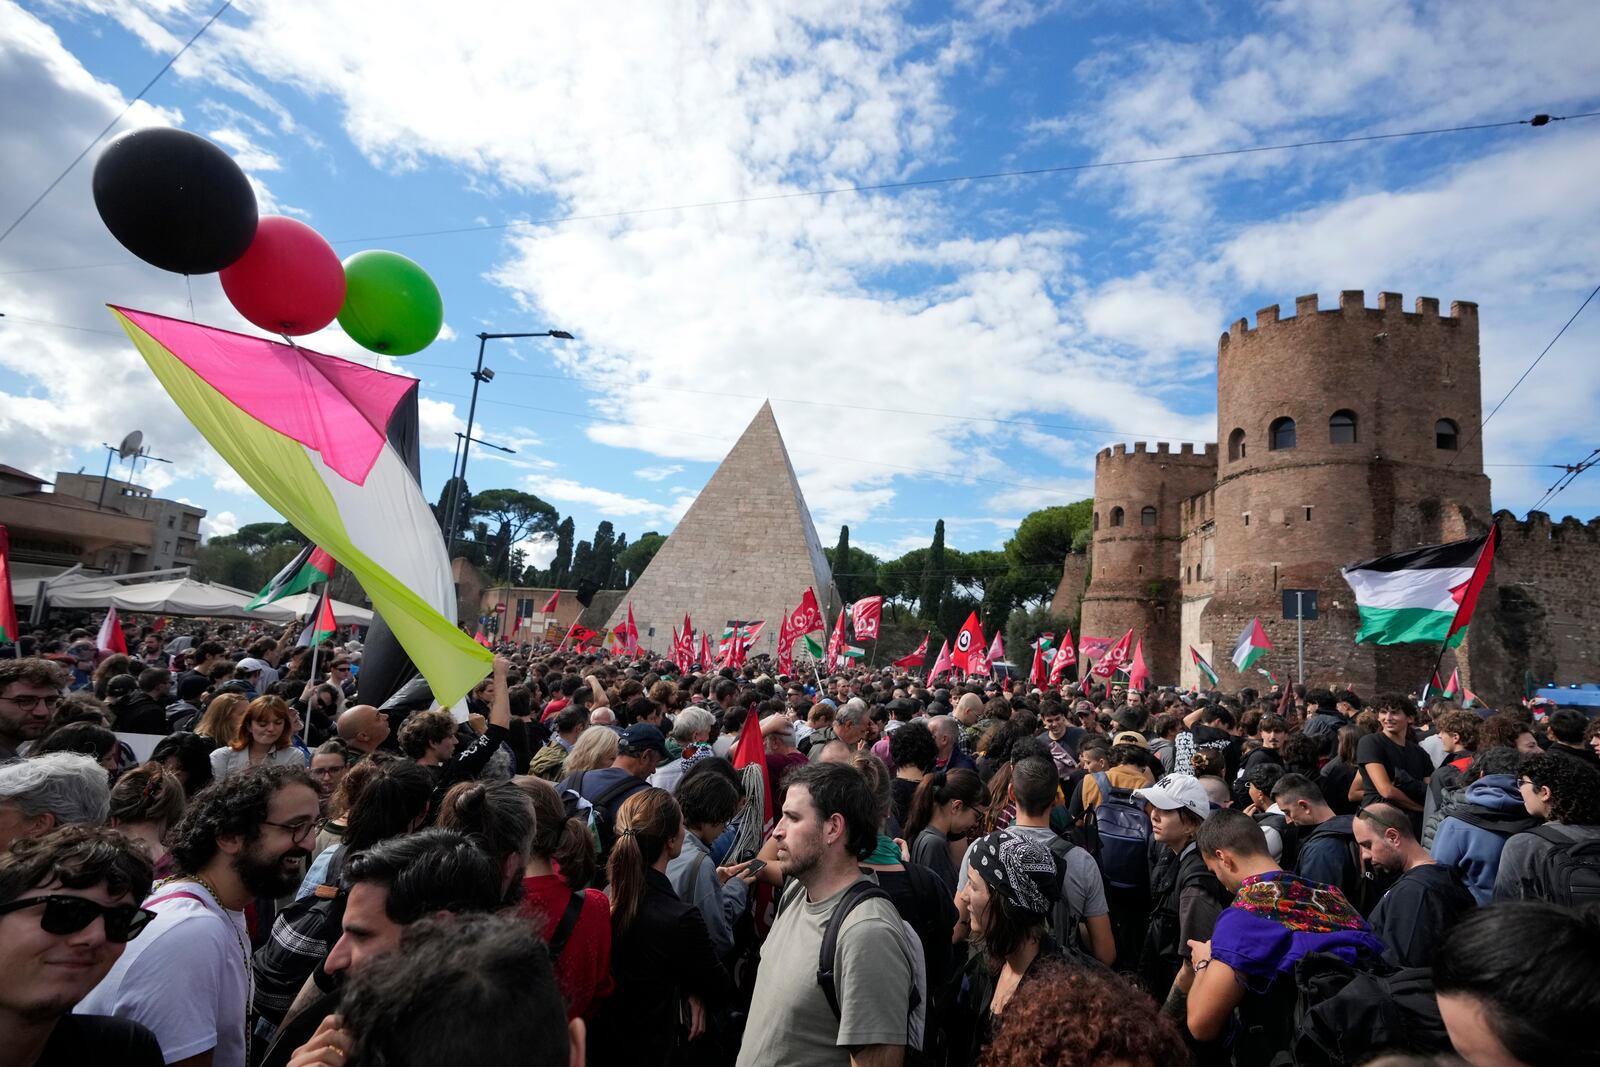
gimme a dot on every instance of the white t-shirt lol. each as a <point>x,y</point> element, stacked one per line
<point>185,977</point>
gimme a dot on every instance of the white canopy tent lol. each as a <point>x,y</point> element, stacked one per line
<point>174,594</point>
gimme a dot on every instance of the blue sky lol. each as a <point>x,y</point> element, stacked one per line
<point>1031,320</point>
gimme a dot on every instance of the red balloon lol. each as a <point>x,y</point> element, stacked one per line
<point>288,281</point>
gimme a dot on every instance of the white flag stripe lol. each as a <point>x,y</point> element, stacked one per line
<point>1428,589</point>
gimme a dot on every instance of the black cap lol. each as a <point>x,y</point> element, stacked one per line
<point>642,737</point>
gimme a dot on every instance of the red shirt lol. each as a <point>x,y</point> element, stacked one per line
<point>554,708</point>
<point>584,967</point>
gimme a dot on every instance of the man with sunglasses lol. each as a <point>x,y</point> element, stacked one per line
<point>30,689</point>
<point>188,977</point>
<point>69,904</point>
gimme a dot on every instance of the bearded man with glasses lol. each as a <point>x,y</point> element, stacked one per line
<point>188,977</point>
<point>30,689</point>
<point>69,904</point>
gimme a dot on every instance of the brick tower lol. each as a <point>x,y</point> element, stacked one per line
<point>746,549</point>
<point>1134,559</point>
<point>1344,434</point>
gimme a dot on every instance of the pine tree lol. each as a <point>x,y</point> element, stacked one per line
<point>934,579</point>
<point>841,565</point>
<point>561,565</point>
<point>619,573</point>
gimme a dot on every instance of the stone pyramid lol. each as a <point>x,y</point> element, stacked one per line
<point>746,549</point>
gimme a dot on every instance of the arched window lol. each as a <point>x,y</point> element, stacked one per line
<point>1116,516</point>
<point>1445,435</point>
<point>1342,428</point>
<point>1147,517</point>
<point>1281,434</point>
<point>1236,445</point>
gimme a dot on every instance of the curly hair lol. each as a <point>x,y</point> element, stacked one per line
<point>32,670</point>
<point>912,745</point>
<point>1501,730</point>
<point>236,805</point>
<point>1574,787</point>
<point>423,729</point>
<point>1076,1017</point>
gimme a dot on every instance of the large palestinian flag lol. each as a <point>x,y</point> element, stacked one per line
<point>309,433</point>
<point>1422,595</point>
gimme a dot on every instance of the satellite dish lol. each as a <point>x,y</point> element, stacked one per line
<point>130,444</point>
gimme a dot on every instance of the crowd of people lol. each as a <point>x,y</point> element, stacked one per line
<point>583,864</point>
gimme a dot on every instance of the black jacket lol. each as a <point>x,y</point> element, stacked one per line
<point>139,714</point>
<point>663,956</point>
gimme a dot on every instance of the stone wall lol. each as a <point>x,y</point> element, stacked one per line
<point>1074,579</point>
<point>1538,615</point>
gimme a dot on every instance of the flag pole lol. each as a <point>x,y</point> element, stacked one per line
<point>312,677</point>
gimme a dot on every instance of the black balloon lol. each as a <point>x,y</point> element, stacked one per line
<point>175,200</point>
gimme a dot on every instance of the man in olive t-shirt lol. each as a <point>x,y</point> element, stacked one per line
<point>828,822</point>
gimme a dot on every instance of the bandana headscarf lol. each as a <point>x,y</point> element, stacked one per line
<point>1020,869</point>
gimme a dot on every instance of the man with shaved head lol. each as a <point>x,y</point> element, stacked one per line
<point>363,727</point>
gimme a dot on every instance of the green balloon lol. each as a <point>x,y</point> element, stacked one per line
<point>390,304</point>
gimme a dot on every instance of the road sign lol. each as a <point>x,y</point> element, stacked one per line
<point>500,609</point>
<point>1300,604</point>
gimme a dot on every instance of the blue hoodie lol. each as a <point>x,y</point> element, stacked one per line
<point>1471,838</point>
<point>1328,855</point>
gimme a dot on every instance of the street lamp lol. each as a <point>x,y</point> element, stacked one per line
<point>481,374</point>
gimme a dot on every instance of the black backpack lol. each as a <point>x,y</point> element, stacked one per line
<point>1568,873</point>
<point>602,817</point>
<point>1345,1014</point>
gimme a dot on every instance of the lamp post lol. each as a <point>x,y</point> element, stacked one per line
<point>480,375</point>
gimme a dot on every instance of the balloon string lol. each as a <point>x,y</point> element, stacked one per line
<point>188,284</point>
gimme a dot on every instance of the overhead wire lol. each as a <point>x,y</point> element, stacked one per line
<point>909,183</point>
<point>110,125</point>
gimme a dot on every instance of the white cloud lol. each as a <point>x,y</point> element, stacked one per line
<point>567,491</point>
<point>438,423</point>
<point>220,524</point>
<point>245,152</point>
<point>658,474</point>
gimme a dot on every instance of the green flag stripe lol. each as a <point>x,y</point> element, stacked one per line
<point>1400,626</point>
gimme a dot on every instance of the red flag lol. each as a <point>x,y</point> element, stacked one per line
<point>159,625</point>
<point>110,638</point>
<point>785,647</point>
<point>1115,657</point>
<point>1467,595</point>
<point>836,642</point>
<point>997,649</point>
<point>1139,675</point>
<point>978,662</point>
<point>550,605</point>
<point>865,616</point>
<point>579,634</point>
<point>1066,656</point>
<point>808,616</point>
<point>942,663</point>
<point>970,639</point>
<point>481,639</point>
<point>632,642</point>
<point>1039,675</point>
<point>326,626</point>
<point>705,652</point>
<point>913,659</point>
<point>8,607</point>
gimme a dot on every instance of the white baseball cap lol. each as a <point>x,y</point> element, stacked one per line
<point>1176,791</point>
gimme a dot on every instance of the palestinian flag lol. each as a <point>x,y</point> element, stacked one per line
<point>1205,668</point>
<point>310,567</point>
<point>310,434</point>
<point>8,607</point>
<point>1424,595</point>
<point>852,652</point>
<point>1268,675</point>
<point>323,627</point>
<point>1251,646</point>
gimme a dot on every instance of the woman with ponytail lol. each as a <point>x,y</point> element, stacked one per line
<point>945,807</point>
<point>667,974</point>
<point>561,862</point>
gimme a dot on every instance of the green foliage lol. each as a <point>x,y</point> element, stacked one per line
<point>858,576</point>
<point>561,566</point>
<point>934,580</point>
<point>632,560</point>
<point>1024,626</point>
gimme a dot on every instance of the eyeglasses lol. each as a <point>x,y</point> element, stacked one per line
<point>28,702</point>
<point>298,830</point>
<point>68,915</point>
